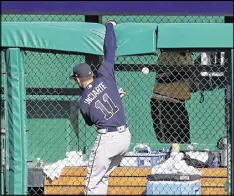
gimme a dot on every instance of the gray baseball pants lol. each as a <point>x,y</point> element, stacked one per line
<point>105,156</point>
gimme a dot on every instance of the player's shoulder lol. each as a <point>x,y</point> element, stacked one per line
<point>104,82</point>
<point>98,80</point>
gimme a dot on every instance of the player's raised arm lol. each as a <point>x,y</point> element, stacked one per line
<point>110,42</point>
<point>107,67</point>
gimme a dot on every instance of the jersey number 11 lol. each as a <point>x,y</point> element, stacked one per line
<point>107,106</point>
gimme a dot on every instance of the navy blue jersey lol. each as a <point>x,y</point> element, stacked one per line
<point>100,102</point>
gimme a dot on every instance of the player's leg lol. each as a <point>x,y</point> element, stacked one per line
<point>97,166</point>
<point>114,163</point>
<point>106,155</point>
<point>122,143</point>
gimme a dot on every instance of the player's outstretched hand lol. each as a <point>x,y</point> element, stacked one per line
<point>112,22</point>
<point>121,92</point>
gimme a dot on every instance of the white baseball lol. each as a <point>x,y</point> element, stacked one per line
<point>145,70</point>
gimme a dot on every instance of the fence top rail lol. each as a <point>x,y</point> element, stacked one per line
<point>198,8</point>
<point>132,38</point>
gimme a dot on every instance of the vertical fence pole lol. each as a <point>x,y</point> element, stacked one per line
<point>16,122</point>
<point>232,139</point>
<point>3,136</point>
<point>229,19</point>
<point>2,173</point>
<point>6,133</point>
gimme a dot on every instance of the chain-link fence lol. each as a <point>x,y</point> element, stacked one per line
<point>185,100</point>
<point>163,19</point>
<point>191,110</point>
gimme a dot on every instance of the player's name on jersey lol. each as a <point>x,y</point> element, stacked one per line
<point>94,93</point>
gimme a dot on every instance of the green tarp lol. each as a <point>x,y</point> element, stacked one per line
<point>79,37</point>
<point>132,38</point>
<point>195,35</point>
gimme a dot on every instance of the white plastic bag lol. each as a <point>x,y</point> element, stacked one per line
<point>131,158</point>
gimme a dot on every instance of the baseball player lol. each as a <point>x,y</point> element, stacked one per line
<point>101,106</point>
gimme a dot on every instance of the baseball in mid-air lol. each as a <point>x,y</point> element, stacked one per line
<point>145,70</point>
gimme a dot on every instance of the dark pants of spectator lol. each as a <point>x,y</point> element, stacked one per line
<point>171,121</point>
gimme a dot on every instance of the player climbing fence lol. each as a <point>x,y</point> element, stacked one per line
<point>184,99</point>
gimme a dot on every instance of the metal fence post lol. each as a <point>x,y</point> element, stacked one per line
<point>16,122</point>
<point>232,139</point>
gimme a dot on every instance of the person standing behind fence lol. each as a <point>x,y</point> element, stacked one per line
<point>171,91</point>
<point>101,106</point>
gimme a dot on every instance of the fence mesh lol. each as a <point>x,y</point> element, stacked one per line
<point>191,110</point>
<point>185,99</point>
<point>41,18</point>
<point>163,19</point>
